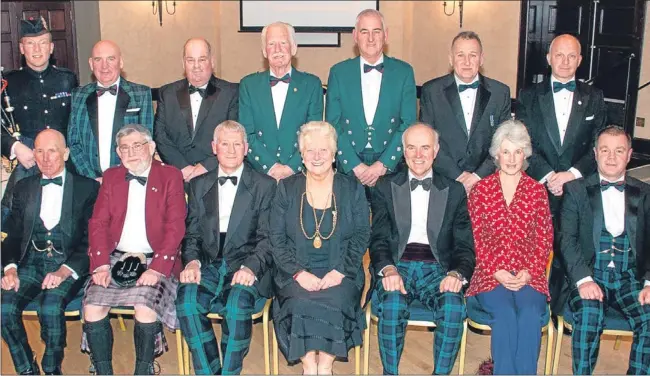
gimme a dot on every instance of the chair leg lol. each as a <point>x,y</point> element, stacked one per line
<point>120,319</point>
<point>549,347</point>
<point>357,360</point>
<point>179,352</point>
<point>186,357</point>
<point>366,341</point>
<point>463,348</point>
<point>265,326</point>
<point>617,343</point>
<point>558,344</point>
<point>276,360</point>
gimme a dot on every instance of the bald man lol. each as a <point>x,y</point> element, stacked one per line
<point>101,109</point>
<point>190,109</point>
<point>562,115</point>
<point>44,256</point>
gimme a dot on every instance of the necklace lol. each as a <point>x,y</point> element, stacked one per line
<point>318,237</point>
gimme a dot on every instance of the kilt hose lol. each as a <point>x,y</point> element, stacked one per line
<point>589,316</point>
<point>31,273</point>
<point>236,304</point>
<point>422,282</point>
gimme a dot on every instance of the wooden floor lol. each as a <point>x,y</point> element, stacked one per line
<point>417,357</point>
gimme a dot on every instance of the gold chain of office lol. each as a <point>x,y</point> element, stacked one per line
<point>318,237</point>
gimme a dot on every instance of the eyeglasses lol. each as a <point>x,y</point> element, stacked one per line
<point>137,147</point>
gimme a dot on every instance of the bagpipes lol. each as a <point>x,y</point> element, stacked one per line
<point>8,123</point>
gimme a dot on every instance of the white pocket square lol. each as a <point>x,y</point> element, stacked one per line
<point>589,118</point>
<point>138,109</point>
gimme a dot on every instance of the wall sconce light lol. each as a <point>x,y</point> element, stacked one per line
<point>453,9</point>
<point>157,8</point>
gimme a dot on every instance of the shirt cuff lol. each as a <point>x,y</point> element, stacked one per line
<point>12,154</point>
<point>12,265</point>
<point>74,274</point>
<point>95,271</point>
<point>575,172</point>
<point>585,279</point>
<point>475,174</point>
<point>381,272</point>
<point>646,283</point>
<point>545,178</point>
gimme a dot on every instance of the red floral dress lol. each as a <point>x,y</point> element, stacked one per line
<point>512,238</point>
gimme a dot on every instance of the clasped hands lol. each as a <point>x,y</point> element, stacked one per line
<point>556,181</point>
<point>310,282</point>
<point>513,282</point>
<point>368,175</point>
<point>190,172</point>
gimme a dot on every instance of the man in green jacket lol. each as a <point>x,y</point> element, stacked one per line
<point>371,100</point>
<point>274,104</point>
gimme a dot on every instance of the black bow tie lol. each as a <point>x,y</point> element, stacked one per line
<point>223,179</point>
<point>194,89</point>
<point>141,179</point>
<point>463,87</point>
<point>557,86</point>
<point>425,183</point>
<point>57,180</point>
<point>111,90</point>
<point>604,185</point>
<point>274,80</point>
<point>379,67</point>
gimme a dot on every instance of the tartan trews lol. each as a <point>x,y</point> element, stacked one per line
<point>422,282</point>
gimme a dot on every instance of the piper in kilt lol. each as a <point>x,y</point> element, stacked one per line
<point>227,255</point>
<point>44,254</point>
<point>605,245</point>
<point>140,212</point>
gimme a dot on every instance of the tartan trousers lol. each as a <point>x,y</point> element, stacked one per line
<point>31,273</point>
<point>235,304</point>
<point>621,291</point>
<point>422,282</point>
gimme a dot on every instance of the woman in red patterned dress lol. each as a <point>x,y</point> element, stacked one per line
<point>513,236</point>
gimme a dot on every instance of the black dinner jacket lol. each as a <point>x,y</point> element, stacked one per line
<point>247,235</point>
<point>460,151</point>
<point>178,142</point>
<point>582,223</point>
<point>448,224</point>
<point>79,195</point>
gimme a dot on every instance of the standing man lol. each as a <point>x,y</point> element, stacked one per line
<point>371,100</point>
<point>274,104</point>
<point>605,244</point>
<point>101,109</point>
<point>227,254</point>
<point>44,256</point>
<point>189,110</point>
<point>562,116</point>
<point>422,248</point>
<point>465,108</point>
<point>40,94</point>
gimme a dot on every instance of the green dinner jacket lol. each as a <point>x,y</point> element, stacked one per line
<point>268,144</point>
<point>396,110</point>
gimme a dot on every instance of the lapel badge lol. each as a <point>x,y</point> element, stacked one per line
<point>154,189</point>
<point>295,89</point>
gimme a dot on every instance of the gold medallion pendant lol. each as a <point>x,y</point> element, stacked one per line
<point>317,242</point>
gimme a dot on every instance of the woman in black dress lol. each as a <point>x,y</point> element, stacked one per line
<point>319,232</point>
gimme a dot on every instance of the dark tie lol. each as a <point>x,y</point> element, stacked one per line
<point>379,67</point>
<point>425,183</point>
<point>604,185</point>
<point>140,179</point>
<point>557,86</point>
<point>57,180</point>
<point>194,89</point>
<point>224,179</point>
<point>463,87</point>
<point>274,80</point>
<point>111,89</point>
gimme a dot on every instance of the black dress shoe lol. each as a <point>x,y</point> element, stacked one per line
<point>57,371</point>
<point>33,370</point>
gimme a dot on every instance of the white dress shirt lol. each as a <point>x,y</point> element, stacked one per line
<point>134,233</point>
<point>279,94</point>
<point>370,87</point>
<point>51,206</point>
<point>195,103</point>
<point>105,116</point>
<point>419,211</point>
<point>227,193</point>
<point>467,101</point>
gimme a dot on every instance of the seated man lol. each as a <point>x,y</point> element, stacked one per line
<point>226,254</point>
<point>605,245</point>
<point>421,248</point>
<point>44,255</point>
<point>135,235</point>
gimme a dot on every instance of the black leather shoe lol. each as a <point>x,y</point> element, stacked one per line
<point>33,370</point>
<point>57,371</point>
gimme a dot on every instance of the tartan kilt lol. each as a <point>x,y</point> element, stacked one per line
<point>160,298</point>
